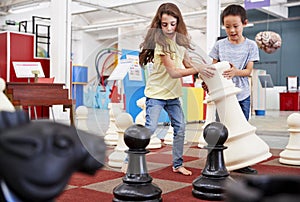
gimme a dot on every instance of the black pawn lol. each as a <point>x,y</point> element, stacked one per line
<point>137,184</point>
<point>211,184</point>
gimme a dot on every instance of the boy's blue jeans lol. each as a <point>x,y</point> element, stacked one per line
<point>174,110</point>
<point>245,105</point>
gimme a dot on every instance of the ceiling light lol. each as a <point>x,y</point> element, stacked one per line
<point>28,7</point>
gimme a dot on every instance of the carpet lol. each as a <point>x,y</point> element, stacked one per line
<point>174,186</point>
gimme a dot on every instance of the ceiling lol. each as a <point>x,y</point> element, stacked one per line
<point>103,17</point>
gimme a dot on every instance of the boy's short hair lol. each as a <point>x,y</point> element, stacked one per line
<point>235,10</point>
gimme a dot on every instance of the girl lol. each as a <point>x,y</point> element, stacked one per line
<point>166,44</point>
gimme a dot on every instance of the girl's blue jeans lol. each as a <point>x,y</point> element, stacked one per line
<point>174,110</point>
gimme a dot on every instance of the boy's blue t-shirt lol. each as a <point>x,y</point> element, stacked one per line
<point>239,55</point>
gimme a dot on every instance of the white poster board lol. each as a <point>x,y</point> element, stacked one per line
<point>121,70</point>
<point>292,83</point>
<point>24,69</point>
<point>135,71</point>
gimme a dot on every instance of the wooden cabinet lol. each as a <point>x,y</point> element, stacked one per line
<point>290,101</point>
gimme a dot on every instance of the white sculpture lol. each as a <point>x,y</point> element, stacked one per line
<point>245,148</point>
<point>111,136</point>
<point>117,158</point>
<point>291,154</point>
<point>210,117</point>
<point>81,118</point>
<point>5,104</point>
<point>168,139</point>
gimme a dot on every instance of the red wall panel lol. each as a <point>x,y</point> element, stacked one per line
<point>3,55</point>
<point>22,50</point>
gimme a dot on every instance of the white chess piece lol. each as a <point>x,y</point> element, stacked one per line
<point>168,139</point>
<point>210,117</point>
<point>291,154</point>
<point>117,158</point>
<point>111,136</point>
<point>81,117</point>
<point>245,148</point>
<point>155,142</point>
<point>5,104</point>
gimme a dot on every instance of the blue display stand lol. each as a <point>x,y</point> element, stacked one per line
<point>134,90</point>
<point>79,79</point>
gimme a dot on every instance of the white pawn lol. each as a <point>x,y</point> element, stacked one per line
<point>168,139</point>
<point>155,142</point>
<point>291,154</point>
<point>81,117</point>
<point>117,158</point>
<point>111,137</point>
<point>210,117</point>
<point>5,104</point>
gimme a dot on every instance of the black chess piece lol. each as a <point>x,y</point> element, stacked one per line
<point>13,119</point>
<point>211,184</point>
<point>37,158</point>
<point>137,183</point>
<point>267,188</point>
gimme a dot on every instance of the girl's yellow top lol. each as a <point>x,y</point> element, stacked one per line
<point>160,85</point>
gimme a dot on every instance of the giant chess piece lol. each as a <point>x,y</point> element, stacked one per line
<point>111,137</point>
<point>12,119</point>
<point>168,139</point>
<point>211,184</point>
<point>210,117</point>
<point>137,183</point>
<point>5,104</point>
<point>266,188</point>
<point>81,117</point>
<point>245,148</point>
<point>117,158</point>
<point>291,154</point>
<point>155,142</point>
<point>40,157</point>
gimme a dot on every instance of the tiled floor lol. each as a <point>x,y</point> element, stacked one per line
<point>272,128</point>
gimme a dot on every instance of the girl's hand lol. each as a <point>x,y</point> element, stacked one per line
<point>204,86</point>
<point>206,70</point>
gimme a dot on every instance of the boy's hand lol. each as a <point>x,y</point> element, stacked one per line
<point>230,73</point>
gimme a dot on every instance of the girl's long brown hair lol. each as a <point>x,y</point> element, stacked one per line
<point>155,34</point>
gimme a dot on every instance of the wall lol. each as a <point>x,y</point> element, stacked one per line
<point>284,62</point>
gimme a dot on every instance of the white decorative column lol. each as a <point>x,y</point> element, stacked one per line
<point>291,154</point>
<point>155,142</point>
<point>245,148</point>
<point>81,118</point>
<point>5,104</point>
<point>116,159</point>
<point>212,23</point>
<point>60,49</point>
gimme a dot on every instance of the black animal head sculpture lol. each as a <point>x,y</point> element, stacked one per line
<point>38,158</point>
